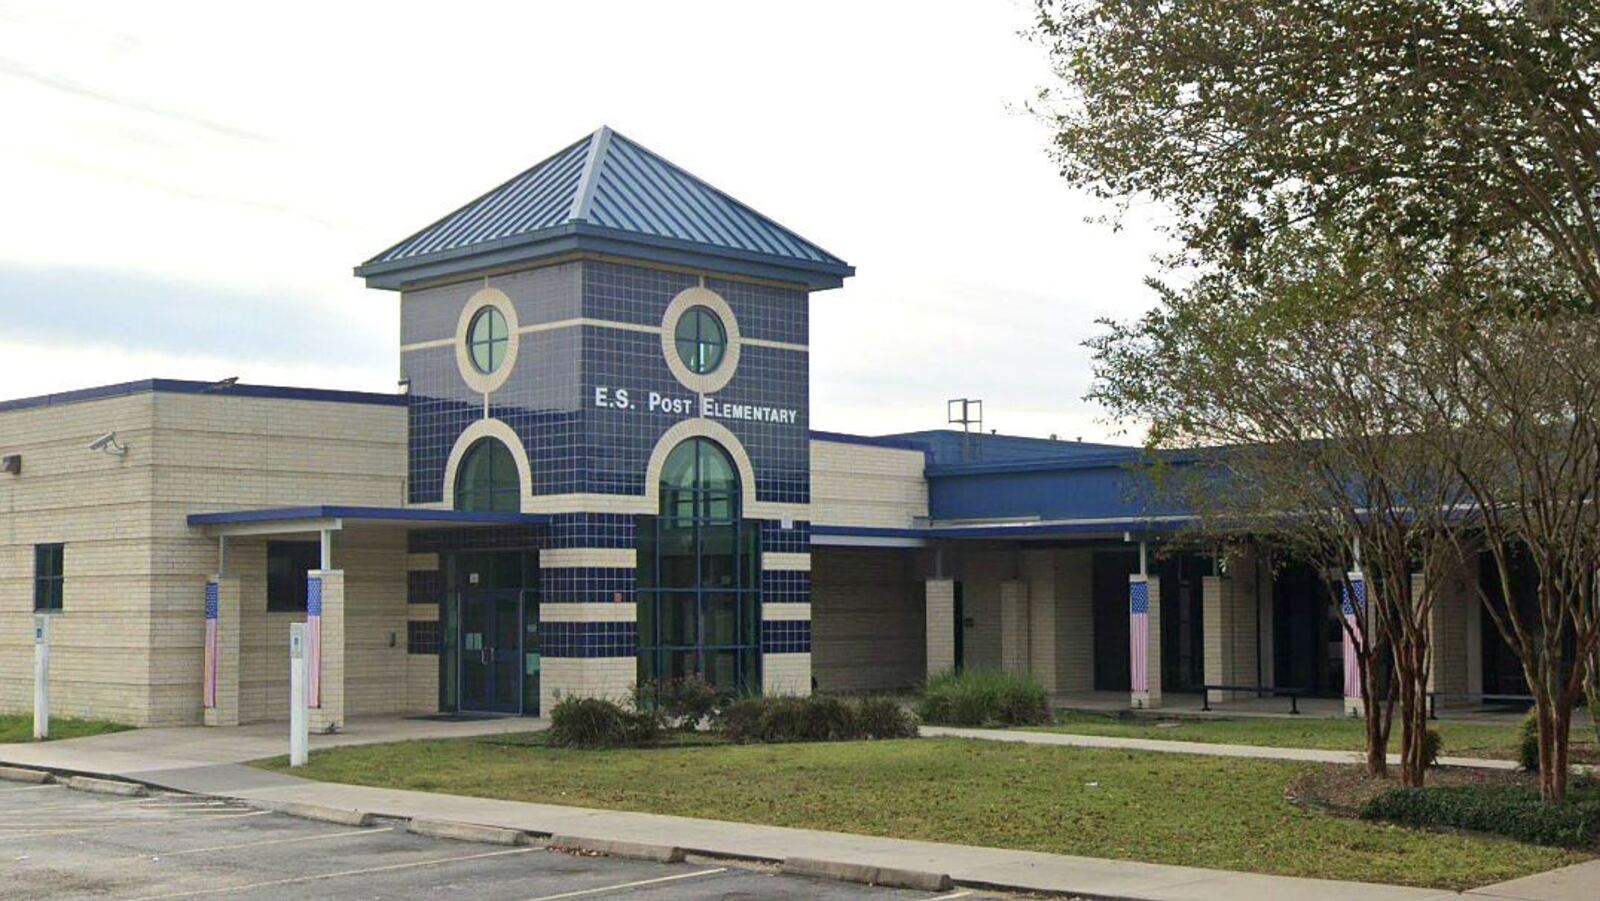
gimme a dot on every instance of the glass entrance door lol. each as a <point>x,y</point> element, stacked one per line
<point>491,651</point>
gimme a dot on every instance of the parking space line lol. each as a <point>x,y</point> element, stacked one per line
<point>221,890</point>
<point>270,841</point>
<point>28,788</point>
<point>625,885</point>
<point>952,896</point>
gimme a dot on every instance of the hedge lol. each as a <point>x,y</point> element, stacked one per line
<point>1510,811</point>
<point>985,698</point>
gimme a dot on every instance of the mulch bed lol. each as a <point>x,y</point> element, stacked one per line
<point>1343,790</point>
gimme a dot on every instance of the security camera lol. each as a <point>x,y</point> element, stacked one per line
<point>108,443</point>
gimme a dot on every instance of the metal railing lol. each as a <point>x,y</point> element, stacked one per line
<point>1293,694</point>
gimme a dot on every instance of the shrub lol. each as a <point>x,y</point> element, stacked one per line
<point>598,723</point>
<point>1432,744</point>
<point>1528,743</point>
<point>782,718</point>
<point>884,718</point>
<point>985,698</point>
<point>687,702</point>
<point>1510,811</point>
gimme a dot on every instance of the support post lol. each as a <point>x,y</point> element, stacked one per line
<point>940,600</point>
<point>299,718</point>
<point>1144,640</point>
<point>1354,599</point>
<point>41,676</point>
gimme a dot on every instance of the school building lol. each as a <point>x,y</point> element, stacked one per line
<point>599,471</point>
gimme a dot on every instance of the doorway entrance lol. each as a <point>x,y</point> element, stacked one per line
<point>497,652</point>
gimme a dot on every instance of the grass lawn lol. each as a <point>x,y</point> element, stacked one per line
<point>1344,734</point>
<point>19,727</point>
<point>1164,808</point>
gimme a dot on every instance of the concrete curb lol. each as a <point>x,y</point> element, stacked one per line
<point>634,850</point>
<point>20,774</point>
<point>341,816</point>
<point>867,875</point>
<point>468,832</point>
<point>107,786</point>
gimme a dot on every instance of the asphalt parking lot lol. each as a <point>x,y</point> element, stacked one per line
<point>59,843</point>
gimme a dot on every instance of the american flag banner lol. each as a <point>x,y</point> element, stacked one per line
<point>1354,598</point>
<point>1139,634</point>
<point>213,600</point>
<point>313,641</point>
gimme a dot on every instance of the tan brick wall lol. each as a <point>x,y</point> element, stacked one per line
<point>867,619</point>
<point>128,645</point>
<point>939,606</point>
<point>1074,620</point>
<point>1449,633</point>
<point>1229,610</point>
<point>858,485</point>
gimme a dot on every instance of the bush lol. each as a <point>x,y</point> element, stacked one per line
<point>1513,812</point>
<point>1432,744</point>
<point>985,698</point>
<point>687,702</point>
<point>598,723</point>
<point>1528,743</point>
<point>781,718</point>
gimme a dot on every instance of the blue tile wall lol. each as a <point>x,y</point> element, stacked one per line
<point>785,587</point>
<point>775,539</point>
<point>587,585</point>
<point>565,639</point>
<point>593,530</point>
<point>574,445</point>
<point>785,636</point>
<point>506,538</point>
<point>424,587</point>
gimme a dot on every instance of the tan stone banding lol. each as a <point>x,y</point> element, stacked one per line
<point>785,611</point>
<point>569,558</point>
<point>773,561</point>
<point>588,612</point>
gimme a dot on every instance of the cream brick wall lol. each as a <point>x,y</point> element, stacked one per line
<point>128,645</point>
<point>1229,611</point>
<point>1060,618</point>
<point>1014,643</point>
<point>867,619</point>
<point>786,674</point>
<point>611,678</point>
<point>859,485</point>
<point>1449,633</point>
<point>939,605</point>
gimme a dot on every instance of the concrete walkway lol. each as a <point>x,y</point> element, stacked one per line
<point>1205,749</point>
<point>209,761</point>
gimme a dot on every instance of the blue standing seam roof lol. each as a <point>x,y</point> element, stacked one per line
<point>607,184</point>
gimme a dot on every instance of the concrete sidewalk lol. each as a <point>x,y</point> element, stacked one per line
<point>173,759</point>
<point>1205,749</point>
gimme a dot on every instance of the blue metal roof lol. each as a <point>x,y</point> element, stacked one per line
<point>603,191</point>
<point>394,515</point>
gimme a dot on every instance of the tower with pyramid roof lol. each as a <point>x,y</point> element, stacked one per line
<point>614,344</point>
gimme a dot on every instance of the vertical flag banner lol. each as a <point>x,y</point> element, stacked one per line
<point>209,692</point>
<point>1139,635</point>
<point>313,641</point>
<point>1354,599</point>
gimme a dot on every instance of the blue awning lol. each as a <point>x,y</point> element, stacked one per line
<point>315,518</point>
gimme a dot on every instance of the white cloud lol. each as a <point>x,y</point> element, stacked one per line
<point>266,152</point>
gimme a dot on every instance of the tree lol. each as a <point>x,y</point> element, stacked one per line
<point>1291,385</point>
<point>1516,396</point>
<point>1418,120</point>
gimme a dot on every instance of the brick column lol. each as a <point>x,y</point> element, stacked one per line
<point>1144,640</point>
<point>1229,614</point>
<point>221,657</point>
<point>1448,634</point>
<point>940,601</point>
<point>1014,626</point>
<point>1040,569</point>
<point>325,616</point>
<point>1354,599</point>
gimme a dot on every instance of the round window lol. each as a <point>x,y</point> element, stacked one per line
<point>487,340</point>
<point>702,340</point>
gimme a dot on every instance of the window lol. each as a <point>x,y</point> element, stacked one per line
<point>702,341</point>
<point>288,562</point>
<point>48,579</point>
<point>488,481</point>
<point>699,575</point>
<point>487,340</point>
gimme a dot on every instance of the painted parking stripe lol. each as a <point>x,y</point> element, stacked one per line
<point>223,890</point>
<point>29,788</point>
<point>270,841</point>
<point>627,885</point>
<point>952,896</point>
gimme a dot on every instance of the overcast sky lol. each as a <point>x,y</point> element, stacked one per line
<point>186,187</point>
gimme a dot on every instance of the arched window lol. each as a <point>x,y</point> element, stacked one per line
<point>702,340</point>
<point>488,481</point>
<point>699,575</point>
